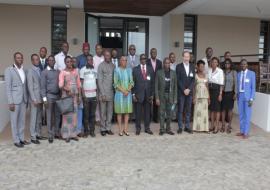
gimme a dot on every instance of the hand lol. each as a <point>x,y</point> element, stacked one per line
<point>250,102</point>
<point>194,101</point>
<point>220,98</point>
<point>12,107</point>
<point>157,102</point>
<point>125,93</point>
<point>151,99</point>
<point>45,104</point>
<point>234,97</point>
<point>135,98</point>
<point>186,92</point>
<point>103,98</point>
<point>36,103</point>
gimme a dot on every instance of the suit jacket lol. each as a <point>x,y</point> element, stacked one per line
<point>143,88</point>
<point>183,80</point>
<point>158,64</point>
<point>15,89</point>
<point>250,85</point>
<point>45,65</point>
<point>34,84</point>
<point>160,86</point>
<point>136,63</point>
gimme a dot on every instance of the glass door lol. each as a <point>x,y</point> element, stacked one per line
<point>92,34</point>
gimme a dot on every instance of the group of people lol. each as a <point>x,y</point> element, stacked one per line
<point>131,87</point>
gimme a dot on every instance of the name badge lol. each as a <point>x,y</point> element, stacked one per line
<point>247,80</point>
<point>148,78</point>
<point>191,74</point>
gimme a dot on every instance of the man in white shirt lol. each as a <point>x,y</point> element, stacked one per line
<point>88,77</point>
<point>60,57</point>
<point>207,59</point>
<point>16,89</point>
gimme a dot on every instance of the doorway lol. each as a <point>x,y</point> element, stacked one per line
<point>118,33</point>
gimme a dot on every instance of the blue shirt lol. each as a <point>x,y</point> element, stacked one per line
<point>81,61</point>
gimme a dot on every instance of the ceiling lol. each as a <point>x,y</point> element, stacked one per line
<point>239,8</point>
<point>136,7</point>
<point>53,3</point>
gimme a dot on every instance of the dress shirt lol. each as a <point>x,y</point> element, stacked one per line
<point>115,62</point>
<point>43,61</point>
<point>216,77</point>
<point>186,65</point>
<point>173,66</point>
<point>60,61</point>
<point>21,73</point>
<point>97,61</point>
<point>154,64</point>
<point>241,80</point>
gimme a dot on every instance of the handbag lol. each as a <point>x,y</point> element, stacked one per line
<point>65,105</point>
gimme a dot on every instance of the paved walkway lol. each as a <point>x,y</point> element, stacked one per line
<point>180,162</point>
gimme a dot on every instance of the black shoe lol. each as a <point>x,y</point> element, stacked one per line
<point>138,132</point>
<point>50,140</point>
<point>149,132</point>
<point>75,138</point>
<point>24,142</point>
<point>109,132</point>
<point>92,134</point>
<point>41,138</point>
<point>170,132</point>
<point>19,145</point>
<point>103,133</point>
<point>67,140</point>
<point>179,131</point>
<point>161,133</point>
<point>35,141</point>
<point>188,130</point>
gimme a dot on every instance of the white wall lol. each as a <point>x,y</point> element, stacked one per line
<point>4,113</point>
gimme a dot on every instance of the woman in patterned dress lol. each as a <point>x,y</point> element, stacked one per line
<point>201,100</point>
<point>123,83</point>
<point>70,85</point>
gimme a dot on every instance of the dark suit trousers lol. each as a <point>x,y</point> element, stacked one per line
<point>53,118</point>
<point>184,104</point>
<point>89,105</point>
<point>154,111</point>
<point>145,106</point>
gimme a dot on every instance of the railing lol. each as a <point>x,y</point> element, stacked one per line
<point>259,63</point>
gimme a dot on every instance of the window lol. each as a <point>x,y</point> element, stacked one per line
<point>190,34</point>
<point>264,41</point>
<point>59,28</point>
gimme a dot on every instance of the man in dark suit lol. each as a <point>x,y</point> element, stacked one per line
<point>156,65</point>
<point>185,77</point>
<point>43,58</point>
<point>143,92</point>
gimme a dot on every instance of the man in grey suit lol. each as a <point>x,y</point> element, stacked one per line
<point>132,58</point>
<point>34,87</point>
<point>51,93</point>
<point>16,88</point>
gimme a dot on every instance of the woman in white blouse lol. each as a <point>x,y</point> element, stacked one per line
<point>216,82</point>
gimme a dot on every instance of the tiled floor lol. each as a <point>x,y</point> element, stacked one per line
<point>188,162</point>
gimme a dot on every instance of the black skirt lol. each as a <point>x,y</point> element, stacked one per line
<point>227,101</point>
<point>215,105</point>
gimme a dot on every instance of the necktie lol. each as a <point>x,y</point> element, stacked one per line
<point>144,72</point>
<point>243,81</point>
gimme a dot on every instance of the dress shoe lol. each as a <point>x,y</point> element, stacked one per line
<point>179,131</point>
<point>92,134</point>
<point>41,138</point>
<point>24,142</point>
<point>58,137</point>
<point>109,132</point>
<point>50,140</point>
<point>67,140</point>
<point>103,133</point>
<point>138,132</point>
<point>35,141</point>
<point>19,145</point>
<point>170,132</point>
<point>188,130</point>
<point>75,138</point>
<point>149,132</point>
<point>239,134</point>
<point>80,135</point>
<point>161,133</point>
